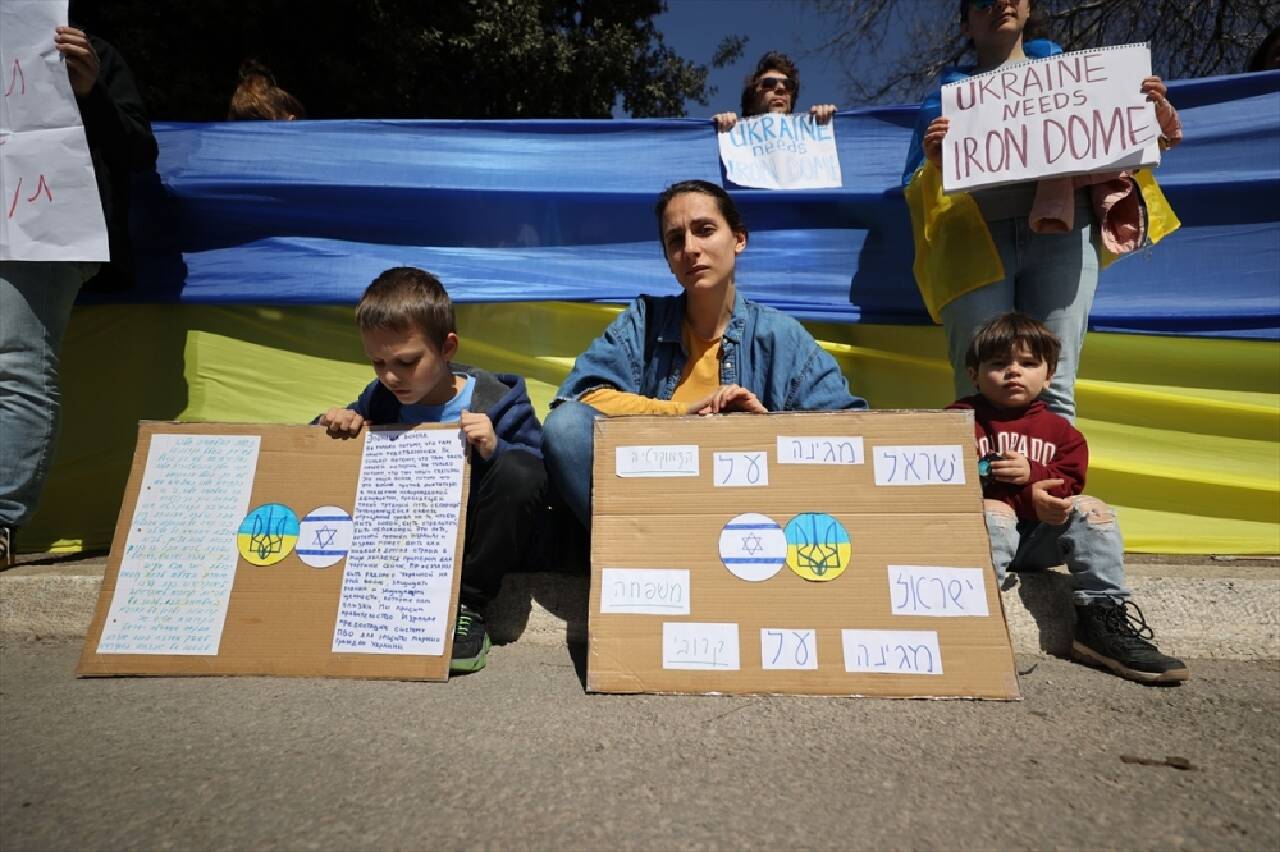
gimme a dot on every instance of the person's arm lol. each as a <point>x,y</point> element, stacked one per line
<point>818,384</point>
<point>613,403</point>
<point>111,106</point>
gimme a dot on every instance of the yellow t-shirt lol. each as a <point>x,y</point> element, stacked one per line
<point>699,379</point>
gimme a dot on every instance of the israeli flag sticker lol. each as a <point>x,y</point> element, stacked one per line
<point>324,536</point>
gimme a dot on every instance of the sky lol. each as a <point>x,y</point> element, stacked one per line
<point>695,27</point>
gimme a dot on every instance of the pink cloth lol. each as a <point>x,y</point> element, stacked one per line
<point>1116,204</point>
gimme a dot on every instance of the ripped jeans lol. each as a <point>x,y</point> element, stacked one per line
<point>1089,543</point>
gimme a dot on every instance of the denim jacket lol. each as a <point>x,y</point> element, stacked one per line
<point>762,349</point>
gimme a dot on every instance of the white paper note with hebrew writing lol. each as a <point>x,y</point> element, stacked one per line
<point>923,464</point>
<point>691,645</point>
<point>892,651</point>
<point>820,449</point>
<point>652,591</point>
<point>51,209</point>
<point>179,561</point>
<point>937,592</point>
<point>662,460</point>
<point>398,579</point>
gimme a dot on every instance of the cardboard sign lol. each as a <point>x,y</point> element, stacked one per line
<point>279,550</point>
<point>1069,114</point>
<point>51,206</point>
<point>858,565</point>
<point>775,151</point>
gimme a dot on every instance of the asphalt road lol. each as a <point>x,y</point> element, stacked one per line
<point>519,757</point>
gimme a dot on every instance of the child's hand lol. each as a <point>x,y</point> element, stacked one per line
<point>932,141</point>
<point>479,431</point>
<point>1012,468</point>
<point>342,422</point>
<point>1049,509</point>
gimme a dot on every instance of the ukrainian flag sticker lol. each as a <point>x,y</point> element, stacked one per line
<point>268,534</point>
<point>818,546</point>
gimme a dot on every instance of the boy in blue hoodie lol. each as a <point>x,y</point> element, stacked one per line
<point>407,324</point>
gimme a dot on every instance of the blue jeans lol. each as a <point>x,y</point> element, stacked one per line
<point>35,307</point>
<point>1089,543</point>
<point>1051,277</point>
<point>568,447</point>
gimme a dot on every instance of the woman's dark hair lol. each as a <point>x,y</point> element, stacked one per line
<point>724,204</point>
<point>1037,24</point>
<point>771,61</point>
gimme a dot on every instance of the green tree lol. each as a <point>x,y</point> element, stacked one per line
<point>405,58</point>
<point>894,50</point>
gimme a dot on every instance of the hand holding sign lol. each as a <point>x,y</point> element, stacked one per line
<point>51,207</point>
<point>82,59</point>
<point>1069,114</point>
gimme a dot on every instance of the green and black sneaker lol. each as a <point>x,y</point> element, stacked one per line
<point>470,642</point>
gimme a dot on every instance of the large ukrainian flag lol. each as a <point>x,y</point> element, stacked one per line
<point>259,237</point>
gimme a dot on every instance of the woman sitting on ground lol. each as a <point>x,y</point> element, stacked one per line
<point>772,87</point>
<point>705,351</point>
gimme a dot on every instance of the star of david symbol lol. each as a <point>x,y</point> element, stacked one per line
<point>324,536</point>
<point>751,544</point>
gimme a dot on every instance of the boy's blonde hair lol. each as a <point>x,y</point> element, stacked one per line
<point>999,336</point>
<point>405,297</point>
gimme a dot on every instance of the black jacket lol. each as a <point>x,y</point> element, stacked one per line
<point>120,143</point>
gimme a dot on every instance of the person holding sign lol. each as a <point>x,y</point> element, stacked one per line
<point>772,87</point>
<point>36,296</point>
<point>407,324</point>
<point>705,351</point>
<point>1034,245</point>
<point>1033,466</point>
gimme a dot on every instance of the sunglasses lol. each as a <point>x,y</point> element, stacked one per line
<point>982,5</point>
<point>768,84</point>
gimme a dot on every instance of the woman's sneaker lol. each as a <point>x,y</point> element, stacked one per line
<point>470,642</point>
<point>1115,635</point>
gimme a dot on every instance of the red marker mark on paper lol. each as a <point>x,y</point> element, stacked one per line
<point>16,190</point>
<point>43,184</point>
<point>16,76</point>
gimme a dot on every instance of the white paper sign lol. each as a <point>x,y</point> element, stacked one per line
<point>664,460</point>
<point>820,449</point>
<point>941,464</point>
<point>776,151</point>
<point>654,591</point>
<point>398,579</point>
<point>892,651</point>
<point>785,648</point>
<point>741,469</point>
<point>1069,114</point>
<point>937,592</point>
<point>179,560</point>
<point>692,645</point>
<point>50,208</point>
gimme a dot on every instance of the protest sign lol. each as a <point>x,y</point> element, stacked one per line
<point>838,553</point>
<point>1069,114</point>
<point>279,550</point>
<point>776,151</point>
<point>51,207</point>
